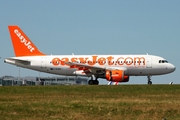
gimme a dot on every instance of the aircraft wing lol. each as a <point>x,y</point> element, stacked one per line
<point>79,65</point>
<point>88,69</point>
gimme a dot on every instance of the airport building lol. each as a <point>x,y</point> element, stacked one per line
<point>56,80</point>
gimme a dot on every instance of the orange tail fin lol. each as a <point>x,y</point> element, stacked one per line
<point>23,46</point>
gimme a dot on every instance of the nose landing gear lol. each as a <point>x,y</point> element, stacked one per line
<point>149,80</point>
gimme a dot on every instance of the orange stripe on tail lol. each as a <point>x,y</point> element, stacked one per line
<point>23,46</point>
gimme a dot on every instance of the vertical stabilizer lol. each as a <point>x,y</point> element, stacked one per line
<point>23,46</point>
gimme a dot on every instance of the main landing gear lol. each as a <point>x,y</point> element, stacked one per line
<point>149,80</point>
<point>93,82</point>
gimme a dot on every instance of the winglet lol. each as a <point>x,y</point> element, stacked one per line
<point>23,46</point>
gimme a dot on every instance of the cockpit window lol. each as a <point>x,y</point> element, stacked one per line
<point>163,61</point>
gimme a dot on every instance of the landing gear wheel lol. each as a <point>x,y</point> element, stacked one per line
<point>90,82</point>
<point>149,82</point>
<point>96,82</point>
<point>93,82</point>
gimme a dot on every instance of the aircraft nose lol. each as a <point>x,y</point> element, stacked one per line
<point>172,67</point>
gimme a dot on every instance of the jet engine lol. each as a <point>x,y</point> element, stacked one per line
<point>116,76</point>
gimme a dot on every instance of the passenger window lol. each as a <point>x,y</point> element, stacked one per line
<point>159,61</point>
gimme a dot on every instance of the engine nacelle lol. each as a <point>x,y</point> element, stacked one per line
<point>116,76</point>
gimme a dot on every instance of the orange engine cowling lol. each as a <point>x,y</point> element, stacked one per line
<point>116,76</point>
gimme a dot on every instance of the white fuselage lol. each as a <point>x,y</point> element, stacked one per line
<point>133,65</point>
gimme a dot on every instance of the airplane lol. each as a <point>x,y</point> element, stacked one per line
<point>114,68</point>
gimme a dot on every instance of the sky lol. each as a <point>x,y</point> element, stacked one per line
<point>85,27</point>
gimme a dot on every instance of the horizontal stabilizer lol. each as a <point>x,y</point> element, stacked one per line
<point>16,61</point>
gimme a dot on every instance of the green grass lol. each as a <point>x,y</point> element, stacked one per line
<point>130,102</point>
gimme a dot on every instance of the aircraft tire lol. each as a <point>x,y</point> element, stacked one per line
<point>149,82</point>
<point>90,82</point>
<point>96,82</point>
